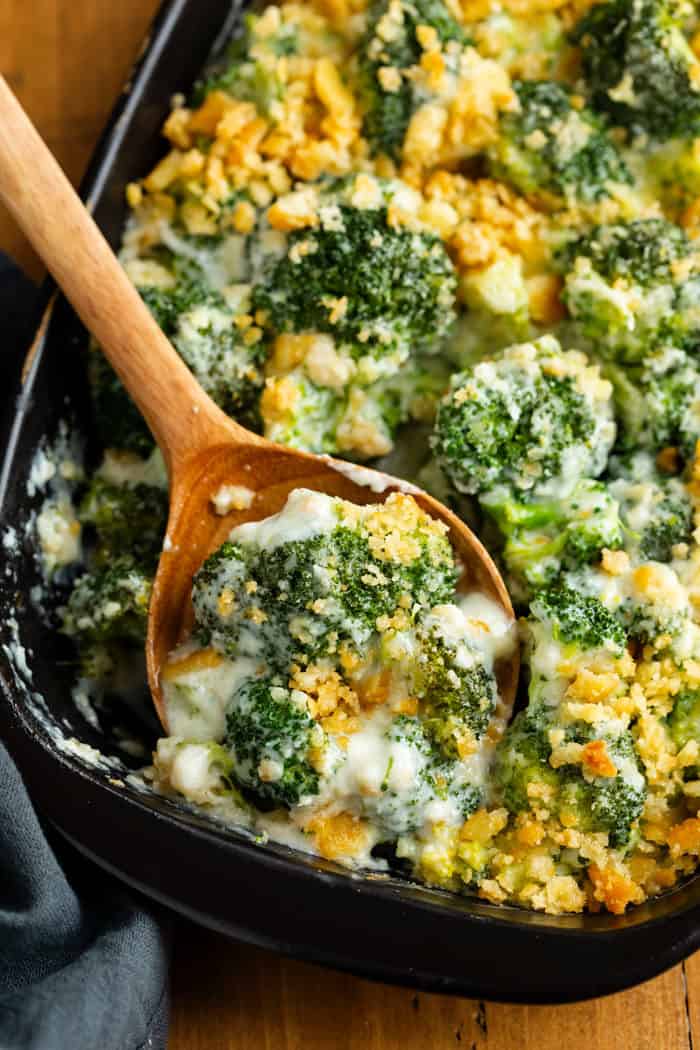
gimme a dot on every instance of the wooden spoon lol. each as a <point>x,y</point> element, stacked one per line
<point>203,449</point>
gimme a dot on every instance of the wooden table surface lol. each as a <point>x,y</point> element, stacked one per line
<point>67,59</point>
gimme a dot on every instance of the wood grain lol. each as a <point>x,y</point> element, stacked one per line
<point>67,60</point>
<point>238,998</point>
<point>691,971</point>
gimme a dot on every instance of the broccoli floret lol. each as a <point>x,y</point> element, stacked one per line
<point>400,808</point>
<point>543,538</point>
<point>189,289</point>
<point>201,327</point>
<point>313,594</point>
<point>622,290</point>
<point>649,603</point>
<point>248,70</point>
<point>98,660</point>
<point>534,415</point>
<point>359,421</point>
<point>660,615</point>
<point>388,108</point>
<point>657,402</point>
<point>639,67</point>
<point>579,620</point>
<point>550,147</point>
<point>672,525</point>
<point>396,287</point>
<point>215,350</point>
<point>684,726</point>
<point>604,803</point>
<point>655,508</point>
<point>642,250</point>
<point>590,803</point>
<point>126,520</point>
<point>522,760</point>
<point>457,693</point>
<point>298,413</point>
<point>569,625</point>
<point>351,312</point>
<point>110,603</point>
<point>118,422</point>
<point>270,734</point>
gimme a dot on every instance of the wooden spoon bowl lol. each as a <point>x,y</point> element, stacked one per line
<point>203,449</point>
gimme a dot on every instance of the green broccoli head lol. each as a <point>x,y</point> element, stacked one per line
<point>521,768</point>
<point>400,807</point>
<point>200,325</point>
<point>656,402</point>
<point>215,350</point>
<point>391,42</point>
<point>650,604</point>
<point>593,524</point>
<point>639,67</point>
<point>684,725</point>
<point>311,417</point>
<point>311,595</point>
<point>612,804</point>
<point>270,735</point>
<point>659,615</point>
<point>358,421</point>
<point>457,693</point>
<point>118,422</point>
<point>656,509</point>
<point>577,620</point>
<point>530,776</point>
<point>641,250</point>
<point>529,419</point>
<point>672,525</point>
<point>543,538</point>
<point>354,311</point>
<point>126,519</point>
<point>549,146</point>
<point>623,289</point>
<point>396,287</point>
<point>110,604</point>
<point>248,69</point>
<point>189,289</point>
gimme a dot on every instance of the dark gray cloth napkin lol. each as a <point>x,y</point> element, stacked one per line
<point>83,960</point>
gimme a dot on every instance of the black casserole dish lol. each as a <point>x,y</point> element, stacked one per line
<point>270,895</point>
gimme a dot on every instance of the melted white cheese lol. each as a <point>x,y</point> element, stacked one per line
<point>196,701</point>
<point>374,480</point>
<point>306,514</point>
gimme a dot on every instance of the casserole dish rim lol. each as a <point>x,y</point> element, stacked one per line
<point>636,947</point>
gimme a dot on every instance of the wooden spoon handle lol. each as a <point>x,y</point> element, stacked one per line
<point>181,416</point>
